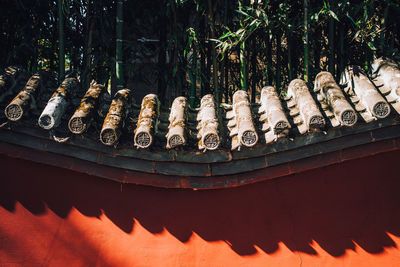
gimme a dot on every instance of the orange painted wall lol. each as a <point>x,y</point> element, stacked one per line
<point>342,215</point>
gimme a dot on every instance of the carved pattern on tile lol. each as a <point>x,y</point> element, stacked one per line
<point>387,79</point>
<point>57,104</point>
<point>207,125</point>
<point>113,123</point>
<point>305,112</point>
<point>147,121</point>
<point>333,101</point>
<point>272,116</point>
<point>25,99</point>
<point>240,125</point>
<point>364,95</point>
<point>176,135</point>
<point>82,116</point>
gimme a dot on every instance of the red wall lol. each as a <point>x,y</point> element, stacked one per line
<point>346,214</point>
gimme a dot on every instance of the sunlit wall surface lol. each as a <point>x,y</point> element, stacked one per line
<point>341,215</point>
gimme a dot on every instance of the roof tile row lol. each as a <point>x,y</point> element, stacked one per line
<point>209,127</point>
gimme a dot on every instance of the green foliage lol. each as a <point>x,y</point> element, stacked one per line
<point>251,19</point>
<point>173,45</point>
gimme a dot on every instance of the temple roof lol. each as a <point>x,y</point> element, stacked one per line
<point>215,145</point>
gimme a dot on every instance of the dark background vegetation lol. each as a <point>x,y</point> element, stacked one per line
<point>194,47</point>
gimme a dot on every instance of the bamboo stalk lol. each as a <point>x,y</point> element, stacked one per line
<point>341,49</point>
<point>226,78</point>
<point>119,50</point>
<point>193,70</point>
<point>289,46</point>
<point>383,34</point>
<point>208,77</point>
<point>224,65</point>
<point>56,106</point>
<point>89,29</point>
<point>61,49</point>
<point>331,41</point>
<point>268,71</point>
<point>162,85</point>
<point>192,77</point>
<point>278,62</point>
<point>213,51</point>
<point>254,71</point>
<point>203,57</point>
<point>268,51</point>
<point>305,40</point>
<point>243,67</point>
<point>242,56</point>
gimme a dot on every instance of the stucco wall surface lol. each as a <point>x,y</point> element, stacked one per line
<point>346,214</point>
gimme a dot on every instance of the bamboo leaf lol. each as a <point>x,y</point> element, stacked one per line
<point>356,35</point>
<point>226,35</point>
<point>239,32</point>
<point>315,17</point>
<point>351,19</point>
<point>333,15</point>
<point>242,13</point>
<point>371,46</point>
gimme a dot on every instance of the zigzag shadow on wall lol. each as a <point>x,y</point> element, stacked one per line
<point>335,206</point>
